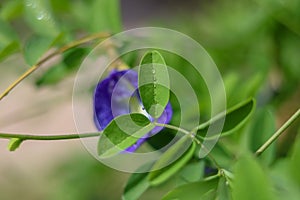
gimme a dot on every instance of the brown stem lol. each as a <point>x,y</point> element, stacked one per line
<point>57,52</point>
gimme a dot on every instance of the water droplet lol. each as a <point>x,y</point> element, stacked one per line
<point>40,16</point>
<point>31,4</point>
<point>153,71</point>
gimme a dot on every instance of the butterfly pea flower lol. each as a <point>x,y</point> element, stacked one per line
<point>118,95</point>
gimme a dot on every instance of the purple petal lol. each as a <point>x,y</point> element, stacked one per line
<point>103,101</point>
<point>111,99</point>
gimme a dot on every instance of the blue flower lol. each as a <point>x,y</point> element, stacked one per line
<point>118,95</point>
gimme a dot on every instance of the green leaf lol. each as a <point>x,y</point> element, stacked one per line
<point>8,40</point>
<point>165,166</point>
<point>14,143</point>
<point>74,58</point>
<point>39,17</point>
<point>233,119</point>
<point>283,179</point>
<point>11,9</point>
<point>223,191</point>
<point>223,155</point>
<point>9,50</point>
<point>105,16</point>
<point>161,139</point>
<point>154,83</point>
<point>35,47</point>
<point>137,184</point>
<point>70,63</point>
<point>123,132</point>
<point>199,190</point>
<point>295,162</point>
<point>192,172</point>
<point>264,121</point>
<point>53,75</point>
<point>250,181</point>
<point>210,195</point>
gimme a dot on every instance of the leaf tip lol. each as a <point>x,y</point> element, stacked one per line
<point>14,143</point>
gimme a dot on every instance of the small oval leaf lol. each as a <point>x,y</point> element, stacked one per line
<point>192,172</point>
<point>71,62</point>
<point>14,143</point>
<point>154,83</point>
<point>123,132</point>
<point>233,119</point>
<point>163,169</point>
<point>197,190</point>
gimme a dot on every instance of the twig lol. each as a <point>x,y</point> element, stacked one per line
<point>48,137</point>
<point>57,52</point>
<point>192,135</point>
<point>278,133</point>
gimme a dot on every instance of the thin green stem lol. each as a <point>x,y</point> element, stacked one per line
<point>178,129</point>
<point>48,137</point>
<point>172,127</point>
<point>278,133</point>
<point>192,135</point>
<point>227,175</point>
<point>221,173</point>
<point>209,178</point>
<point>214,161</point>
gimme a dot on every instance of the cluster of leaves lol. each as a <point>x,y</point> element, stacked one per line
<point>125,130</point>
<point>251,42</point>
<point>246,178</point>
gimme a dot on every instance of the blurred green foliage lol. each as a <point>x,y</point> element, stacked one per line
<point>254,43</point>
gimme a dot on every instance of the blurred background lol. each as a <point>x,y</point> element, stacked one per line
<point>254,43</point>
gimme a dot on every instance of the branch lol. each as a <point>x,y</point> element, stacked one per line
<point>48,137</point>
<point>57,52</point>
<point>278,133</point>
<point>191,134</point>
